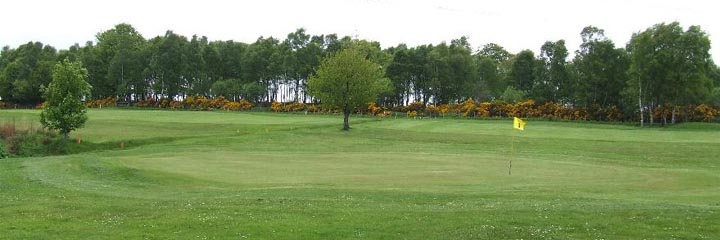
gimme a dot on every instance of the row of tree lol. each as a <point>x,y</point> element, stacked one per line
<point>665,65</point>
<point>123,64</point>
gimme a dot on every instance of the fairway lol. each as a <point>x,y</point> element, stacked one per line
<point>233,175</point>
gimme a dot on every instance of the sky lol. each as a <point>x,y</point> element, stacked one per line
<point>514,24</point>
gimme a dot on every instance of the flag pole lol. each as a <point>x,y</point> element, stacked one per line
<point>512,152</point>
<point>519,125</point>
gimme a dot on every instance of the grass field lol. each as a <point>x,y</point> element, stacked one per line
<point>228,175</point>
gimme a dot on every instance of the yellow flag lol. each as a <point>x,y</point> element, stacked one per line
<point>518,124</point>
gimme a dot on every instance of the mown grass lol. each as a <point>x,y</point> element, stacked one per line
<point>219,175</point>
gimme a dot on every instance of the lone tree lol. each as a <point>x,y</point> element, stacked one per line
<point>348,80</point>
<point>64,110</point>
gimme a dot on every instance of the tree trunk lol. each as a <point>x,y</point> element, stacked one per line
<point>642,115</point>
<point>346,122</point>
<point>672,120</point>
<point>66,135</point>
<point>651,115</point>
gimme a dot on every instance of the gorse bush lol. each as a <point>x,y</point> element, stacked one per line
<point>294,107</point>
<point>242,105</point>
<point>198,103</point>
<point>374,109</point>
<point>412,114</point>
<point>705,113</point>
<point>105,102</point>
<point>548,110</point>
<point>466,109</point>
<point>276,106</point>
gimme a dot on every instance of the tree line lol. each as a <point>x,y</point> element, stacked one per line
<point>664,66</point>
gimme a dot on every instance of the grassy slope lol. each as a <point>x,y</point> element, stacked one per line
<point>261,175</point>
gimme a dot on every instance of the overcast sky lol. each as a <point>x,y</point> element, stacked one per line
<point>514,24</point>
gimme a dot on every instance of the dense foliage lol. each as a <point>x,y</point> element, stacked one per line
<point>348,80</point>
<point>63,109</point>
<point>664,66</point>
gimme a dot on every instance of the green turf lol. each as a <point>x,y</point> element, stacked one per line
<point>229,175</point>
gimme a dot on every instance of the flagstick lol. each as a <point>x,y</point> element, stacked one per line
<point>512,152</point>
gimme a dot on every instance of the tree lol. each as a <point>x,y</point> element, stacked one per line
<point>24,71</point>
<point>64,110</point>
<point>169,64</point>
<point>489,81</point>
<point>262,62</point>
<point>601,69</point>
<point>553,80</point>
<point>669,67</point>
<point>348,80</point>
<point>401,74</point>
<point>119,50</point>
<point>197,79</point>
<point>523,70</point>
<point>495,52</point>
<point>489,56</point>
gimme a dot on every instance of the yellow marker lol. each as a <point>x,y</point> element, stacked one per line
<point>518,124</point>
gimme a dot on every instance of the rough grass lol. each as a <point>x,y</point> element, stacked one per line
<point>220,175</point>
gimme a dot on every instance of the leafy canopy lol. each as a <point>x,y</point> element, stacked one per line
<point>64,110</point>
<point>348,80</point>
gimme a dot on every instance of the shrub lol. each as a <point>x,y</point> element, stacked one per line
<point>163,103</point>
<point>467,108</point>
<point>203,103</point>
<point>294,107</point>
<point>312,108</point>
<point>245,105</point>
<point>231,106</point>
<point>526,109</point>
<point>105,102</point>
<point>276,106</point>
<point>580,114</point>
<point>217,103</point>
<point>706,113</point>
<point>175,105</point>
<point>189,101</point>
<point>432,110</point>
<point>150,102</point>
<point>483,110</point>
<point>412,114</point>
<point>444,109</point>
<point>374,109</point>
<point>548,110</point>
<point>613,113</point>
<point>508,110</point>
<point>383,114</point>
<point>2,105</point>
<point>416,106</point>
